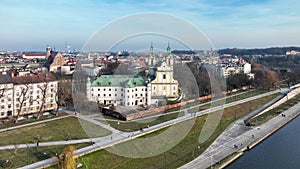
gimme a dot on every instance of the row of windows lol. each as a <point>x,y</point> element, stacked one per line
<point>104,89</point>
<point>164,88</point>
<point>37,97</point>
<point>36,108</point>
<point>31,103</point>
<point>2,100</point>
<point>109,95</point>
<point>137,90</point>
<point>31,92</point>
<point>8,106</point>
<point>137,102</point>
<point>43,85</point>
<point>116,95</point>
<point>109,89</point>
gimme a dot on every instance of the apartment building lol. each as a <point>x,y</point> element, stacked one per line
<point>24,95</point>
<point>6,96</point>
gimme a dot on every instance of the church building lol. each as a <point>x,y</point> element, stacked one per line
<point>163,86</point>
<point>123,90</point>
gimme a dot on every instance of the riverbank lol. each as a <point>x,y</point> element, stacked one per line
<point>275,130</point>
<point>287,120</point>
<point>280,150</point>
<point>237,137</point>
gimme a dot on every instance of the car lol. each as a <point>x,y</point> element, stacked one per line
<point>21,118</point>
<point>30,116</point>
<point>46,113</point>
<point>78,165</point>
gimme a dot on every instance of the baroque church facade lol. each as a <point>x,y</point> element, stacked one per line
<point>128,90</point>
<point>164,85</point>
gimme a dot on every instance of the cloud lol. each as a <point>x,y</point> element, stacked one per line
<point>64,19</point>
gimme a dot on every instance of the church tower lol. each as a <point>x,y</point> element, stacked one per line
<point>151,61</point>
<point>169,57</point>
<point>48,51</point>
<point>163,86</point>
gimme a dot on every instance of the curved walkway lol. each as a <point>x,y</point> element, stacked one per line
<point>237,137</point>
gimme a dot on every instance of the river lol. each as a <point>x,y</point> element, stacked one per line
<point>279,151</point>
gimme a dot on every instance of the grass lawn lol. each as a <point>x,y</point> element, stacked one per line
<point>200,108</point>
<point>129,126</point>
<point>182,153</point>
<point>30,120</point>
<point>245,95</point>
<point>52,131</point>
<point>228,99</point>
<point>22,157</point>
<point>138,124</point>
<point>274,112</point>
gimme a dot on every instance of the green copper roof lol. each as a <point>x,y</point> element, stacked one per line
<point>168,49</point>
<point>127,81</point>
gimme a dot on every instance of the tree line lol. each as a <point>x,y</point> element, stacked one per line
<point>263,52</point>
<point>263,78</point>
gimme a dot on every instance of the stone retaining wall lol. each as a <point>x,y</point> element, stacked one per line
<point>288,96</point>
<point>163,108</point>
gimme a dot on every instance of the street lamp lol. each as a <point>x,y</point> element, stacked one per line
<point>211,160</point>
<point>197,149</point>
<point>165,160</point>
<point>27,147</point>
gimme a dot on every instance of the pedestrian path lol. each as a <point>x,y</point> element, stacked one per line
<point>90,118</point>
<point>238,138</point>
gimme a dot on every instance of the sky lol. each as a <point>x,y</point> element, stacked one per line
<point>30,25</point>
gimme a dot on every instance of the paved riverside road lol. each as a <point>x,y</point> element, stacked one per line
<point>118,136</point>
<point>237,137</point>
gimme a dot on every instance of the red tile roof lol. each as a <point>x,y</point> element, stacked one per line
<point>31,79</point>
<point>35,54</point>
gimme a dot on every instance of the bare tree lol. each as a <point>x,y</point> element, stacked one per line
<point>3,90</point>
<point>63,92</point>
<point>3,94</point>
<point>5,80</point>
<point>22,97</point>
<point>272,78</point>
<point>43,89</point>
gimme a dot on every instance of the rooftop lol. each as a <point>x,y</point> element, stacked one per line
<point>5,79</point>
<point>31,79</point>
<point>127,81</point>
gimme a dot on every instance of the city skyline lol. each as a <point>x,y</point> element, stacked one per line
<point>32,24</point>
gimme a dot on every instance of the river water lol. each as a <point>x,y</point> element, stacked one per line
<point>279,151</point>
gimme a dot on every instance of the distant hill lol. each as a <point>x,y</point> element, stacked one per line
<point>181,52</point>
<point>266,51</point>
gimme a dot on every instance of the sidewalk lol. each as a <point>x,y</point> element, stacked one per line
<point>237,137</point>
